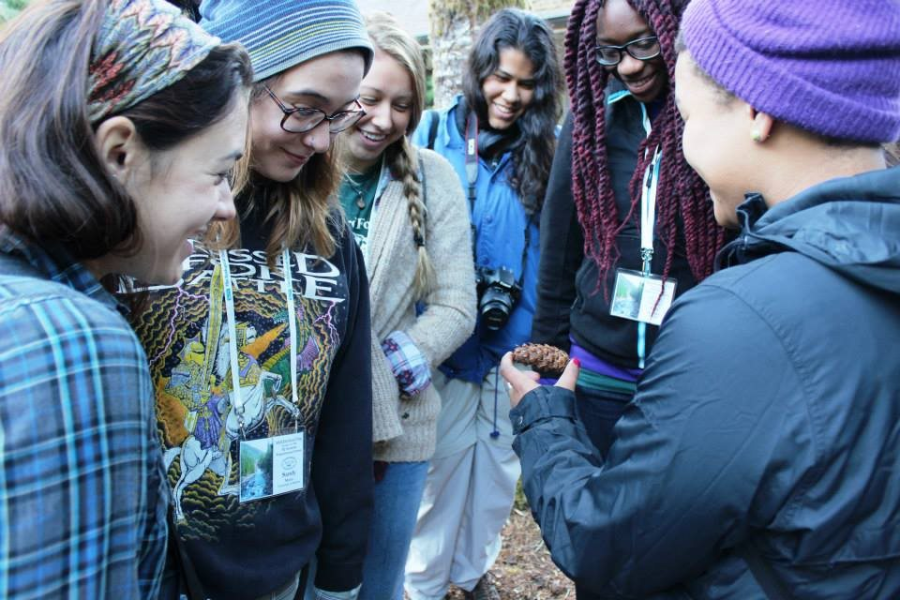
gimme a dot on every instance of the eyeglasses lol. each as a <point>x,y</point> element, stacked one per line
<point>300,119</point>
<point>645,48</point>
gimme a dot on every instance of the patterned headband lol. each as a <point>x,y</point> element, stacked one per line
<point>143,46</point>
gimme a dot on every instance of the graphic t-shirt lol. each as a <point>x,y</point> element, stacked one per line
<point>242,549</point>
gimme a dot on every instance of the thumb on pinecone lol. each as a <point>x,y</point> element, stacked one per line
<point>570,376</point>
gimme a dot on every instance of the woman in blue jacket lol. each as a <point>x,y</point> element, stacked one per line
<point>758,458</point>
<point>506,118</point>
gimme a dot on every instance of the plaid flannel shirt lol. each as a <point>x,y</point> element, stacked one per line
<point>408,364</point>
<point>82,496</point>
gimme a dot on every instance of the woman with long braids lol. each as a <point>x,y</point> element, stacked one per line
<point>261,354</point>
<point>409,214</point>
<point>619,144</point>
<point>499,137</point>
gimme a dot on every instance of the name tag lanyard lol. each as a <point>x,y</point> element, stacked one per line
<point>288,289</point>
<point>649,191</point>
<point>275,465</point>
<point>640,309</point>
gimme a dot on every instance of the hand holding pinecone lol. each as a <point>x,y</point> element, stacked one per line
<point>543,358</point>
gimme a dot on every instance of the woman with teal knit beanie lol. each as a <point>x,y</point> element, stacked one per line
<point>758,458</point>
<point>261,354</point>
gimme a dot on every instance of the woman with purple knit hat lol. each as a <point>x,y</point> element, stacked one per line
<point>759,456</point>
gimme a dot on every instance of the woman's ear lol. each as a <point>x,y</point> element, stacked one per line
<point>762,125</point>
<point>118,146</point>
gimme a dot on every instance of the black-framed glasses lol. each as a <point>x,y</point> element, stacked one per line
<point>645,48</point>
<point>300,119</point>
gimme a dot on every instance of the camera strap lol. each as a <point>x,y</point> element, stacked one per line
<point>472,155</point>
<point>525,250</point>
<point>472,179</point>
<point>472,171</point>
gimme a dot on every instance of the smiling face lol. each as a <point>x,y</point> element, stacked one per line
<point>617,24</point>
<point>387,96</point>
<point>717,139</point>
<point>329,83</point>
<point>509,89</point>
<point>178,192</point>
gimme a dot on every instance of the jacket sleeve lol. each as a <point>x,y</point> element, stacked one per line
<point>342,463</point>
<point>82,493</point>
<point>449,316</point>
<point>706,451</point>
<point>562,250</point>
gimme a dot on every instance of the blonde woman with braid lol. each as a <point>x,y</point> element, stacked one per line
<point>408,213</point>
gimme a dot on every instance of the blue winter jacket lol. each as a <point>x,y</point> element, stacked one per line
<point>766,426</point>
<point>499,220</point>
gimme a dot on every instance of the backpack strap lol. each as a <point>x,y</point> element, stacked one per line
<point>433,123</point>
<point>420,241</point>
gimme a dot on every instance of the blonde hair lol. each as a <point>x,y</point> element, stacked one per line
<point>303,211</point>
<point>401,157</point>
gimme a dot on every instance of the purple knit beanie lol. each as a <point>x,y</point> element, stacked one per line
<point>831,67</point>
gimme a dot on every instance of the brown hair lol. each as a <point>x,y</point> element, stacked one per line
<point>401,157</point>
<point>304,211</point>
<point>512,28</point>
<point>54,188</point>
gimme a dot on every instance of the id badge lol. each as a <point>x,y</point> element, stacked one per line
<point>272,466</point>
<point>637,296</point>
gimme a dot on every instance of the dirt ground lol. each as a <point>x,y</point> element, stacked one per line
<point>524,570</point>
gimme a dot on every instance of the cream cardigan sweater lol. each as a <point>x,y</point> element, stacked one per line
<point>405,428</point>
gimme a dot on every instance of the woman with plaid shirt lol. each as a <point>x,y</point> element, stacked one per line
<point>94,129</point>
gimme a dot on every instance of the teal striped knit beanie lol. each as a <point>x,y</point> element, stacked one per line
<point>280,34</point>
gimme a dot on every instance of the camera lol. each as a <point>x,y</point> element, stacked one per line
<point>498,290</point>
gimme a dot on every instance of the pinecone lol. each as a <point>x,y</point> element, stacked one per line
<point>543,358</point>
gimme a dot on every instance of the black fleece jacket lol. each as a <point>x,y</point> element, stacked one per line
<point>569,300</point>
<point>243,550</point>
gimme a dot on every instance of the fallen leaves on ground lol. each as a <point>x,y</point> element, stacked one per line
<point>524,570</point>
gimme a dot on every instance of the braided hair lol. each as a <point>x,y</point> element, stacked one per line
<point>402,162</point>
<point>401,157</point>
<point>686,197</point>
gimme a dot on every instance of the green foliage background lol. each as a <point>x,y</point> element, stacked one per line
<point>9,8</point>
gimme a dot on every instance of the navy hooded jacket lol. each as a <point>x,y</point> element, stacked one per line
<point>767,423</point>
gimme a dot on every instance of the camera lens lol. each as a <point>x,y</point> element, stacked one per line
<point>495,306</point>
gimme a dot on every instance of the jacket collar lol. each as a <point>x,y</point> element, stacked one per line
<point>850,225</point>
<point>53,262</point>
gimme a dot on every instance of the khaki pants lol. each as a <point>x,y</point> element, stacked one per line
<point>469,490</point>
